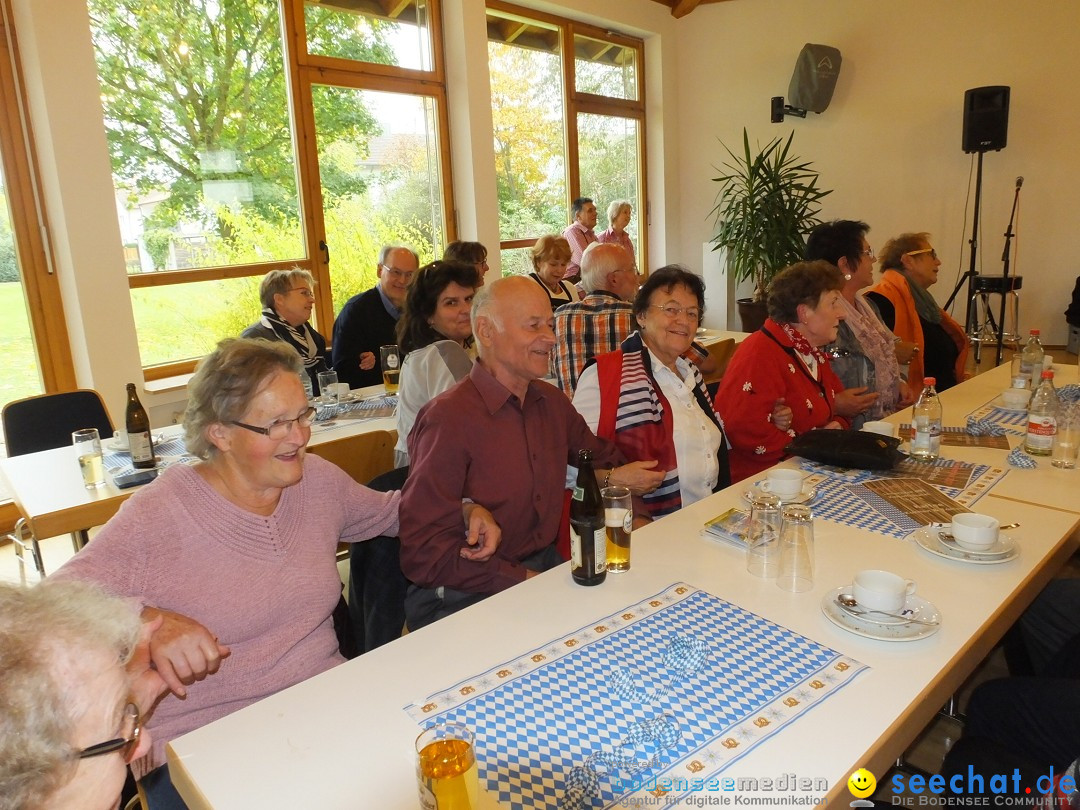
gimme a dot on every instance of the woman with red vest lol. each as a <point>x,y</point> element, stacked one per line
<point>783,362</point>
<point>909,267</point>
<point>652,403</point>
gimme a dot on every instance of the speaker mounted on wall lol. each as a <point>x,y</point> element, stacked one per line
<point>986,118</point>
<point>812,83</point>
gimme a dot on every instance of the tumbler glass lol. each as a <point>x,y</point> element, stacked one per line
<point>763,536</point>
<point>796,567</point>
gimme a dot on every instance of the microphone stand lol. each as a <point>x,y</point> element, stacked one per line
<point>1006,287</point>
<point>972,272</point>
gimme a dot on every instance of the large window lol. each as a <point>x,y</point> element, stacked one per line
<point>252,134</point>
<point>568,112</point>
<point>34,355</point>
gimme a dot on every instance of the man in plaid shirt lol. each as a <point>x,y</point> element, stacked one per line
<point>603,319</point>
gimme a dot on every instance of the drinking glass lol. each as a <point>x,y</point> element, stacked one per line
<point>763,536</point>
<point>1067,439</point>
<point>88,450</point>
<point>446,772</point>
<point>328,391</point>
<point>618,523</point>
<point>390,362</point>
<point>796,567</point>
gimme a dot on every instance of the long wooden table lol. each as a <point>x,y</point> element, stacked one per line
<point>342,739</point>
<point>48,490</point>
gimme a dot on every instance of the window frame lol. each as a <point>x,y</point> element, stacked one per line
<point>304,69</point>
<point>29,223</point>
<point>576,102</point>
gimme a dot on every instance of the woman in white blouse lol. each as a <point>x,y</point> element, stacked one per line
<point>435,335</point>
<point>652,403</point>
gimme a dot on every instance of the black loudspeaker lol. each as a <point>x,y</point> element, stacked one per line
<point>986,118</point>
<point>814,79</point>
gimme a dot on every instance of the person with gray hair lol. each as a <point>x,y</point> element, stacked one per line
<point>369,320</point>
<point>74,684</point>
<point>618,214</point>
<point>502,438</point>
<point>287,300</point>
<point>256,511</point>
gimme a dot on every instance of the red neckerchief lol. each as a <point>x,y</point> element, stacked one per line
<point>801,344</point>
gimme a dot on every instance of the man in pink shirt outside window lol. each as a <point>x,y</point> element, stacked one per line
<point>579,234</point>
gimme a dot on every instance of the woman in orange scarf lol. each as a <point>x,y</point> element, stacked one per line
<point>909,267</point>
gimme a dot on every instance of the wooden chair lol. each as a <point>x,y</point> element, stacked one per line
<point>363,457</point>
<point>720,352</point>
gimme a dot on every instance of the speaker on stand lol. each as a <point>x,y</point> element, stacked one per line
<point>986,128</point>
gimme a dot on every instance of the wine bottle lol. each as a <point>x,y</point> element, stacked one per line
<point>138,430</point>
<point>588,538</point>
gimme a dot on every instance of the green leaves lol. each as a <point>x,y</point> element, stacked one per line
<point>767,203</point>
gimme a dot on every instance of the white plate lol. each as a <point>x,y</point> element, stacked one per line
<point>807,494</point>
<point>115,446</point>
<point>1004,550</point>
<point>999,402</point>
<point>872,628</point>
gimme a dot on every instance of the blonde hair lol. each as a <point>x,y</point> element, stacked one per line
<point>42,628</point>
<point>892,255</point>
<point>279,282</point>
<point>551,246</point>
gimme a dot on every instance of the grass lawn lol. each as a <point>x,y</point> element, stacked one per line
<point>19,375</point>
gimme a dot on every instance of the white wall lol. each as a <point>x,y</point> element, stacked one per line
<point>890,143</point>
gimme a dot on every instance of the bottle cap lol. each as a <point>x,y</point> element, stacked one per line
<point>1048,374</point>
<point>1033,332</point>
<point>929,381</point>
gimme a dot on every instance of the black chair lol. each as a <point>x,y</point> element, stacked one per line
<point>44,423</point>
<point>376,585</point>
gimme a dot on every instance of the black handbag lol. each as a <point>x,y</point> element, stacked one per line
<point>847,448</point>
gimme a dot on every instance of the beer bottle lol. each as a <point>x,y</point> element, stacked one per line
<point>588,540</point>
<point>138,430</point>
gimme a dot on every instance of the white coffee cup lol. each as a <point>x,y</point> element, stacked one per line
<point>881,428</point>
<point>784,482</point>
<point>974,532</point>
<point>120,438</point>
<point>342,390</point>
<point>881,590</point>
<point>1048,361</point>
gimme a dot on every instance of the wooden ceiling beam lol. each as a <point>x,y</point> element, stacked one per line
<point>684,7</point>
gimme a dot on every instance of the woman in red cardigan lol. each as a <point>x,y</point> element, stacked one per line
<point>783,363</point>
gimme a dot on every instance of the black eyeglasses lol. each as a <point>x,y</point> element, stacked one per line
<point>280,429</point>
<point>130,729</point>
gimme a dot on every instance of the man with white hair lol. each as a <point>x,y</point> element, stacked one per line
<point>500,438</point>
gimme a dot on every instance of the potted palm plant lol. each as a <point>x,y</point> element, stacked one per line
<point>767,203</point>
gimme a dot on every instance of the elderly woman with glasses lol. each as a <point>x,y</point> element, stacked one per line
<point>783,364</point>
<point>909,267</point>
<point>652,403</point>
<point>287,300</point>
<point>866,356</point>
<point>75,679</point>
<point>258,513</point>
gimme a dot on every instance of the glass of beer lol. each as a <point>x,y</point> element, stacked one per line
<point>88,450</point>
<point>446,772</point>
<point>618,521</point>
<point>390,362</point>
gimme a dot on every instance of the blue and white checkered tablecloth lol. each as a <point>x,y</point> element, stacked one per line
<point>545,712</point>
<point>842,496</point>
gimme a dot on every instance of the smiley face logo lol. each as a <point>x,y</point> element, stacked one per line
<point>861,783</point>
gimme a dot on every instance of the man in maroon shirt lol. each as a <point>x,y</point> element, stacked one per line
<point>502,439</point>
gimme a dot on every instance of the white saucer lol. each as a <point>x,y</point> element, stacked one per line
<point>115,446</point>
<point>882,628</point>
<point>999,402</point>
<point>1004,550</point>
<point>808,493</point>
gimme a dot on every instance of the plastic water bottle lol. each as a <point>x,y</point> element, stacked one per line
<point>1042,417</point>
<point>1031,359</point>
<point>926,421</point>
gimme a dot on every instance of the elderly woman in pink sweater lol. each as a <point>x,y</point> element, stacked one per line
<point>237,552</point>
